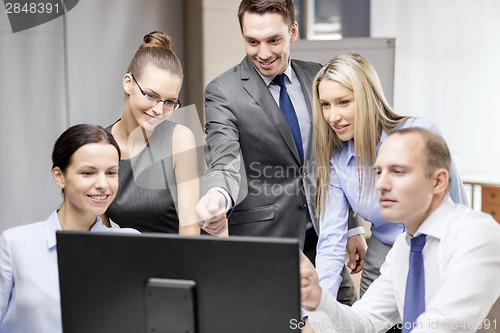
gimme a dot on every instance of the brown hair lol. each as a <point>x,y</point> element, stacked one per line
<point>155,49</point>
<point>283,7</point>
<point>436,150</point>
<point>74,138</point>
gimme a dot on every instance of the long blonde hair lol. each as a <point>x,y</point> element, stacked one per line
<point>372,115</point>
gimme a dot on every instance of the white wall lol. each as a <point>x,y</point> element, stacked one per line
<point>222,45</point>
<point>32,105</point>
<point>448,70</point>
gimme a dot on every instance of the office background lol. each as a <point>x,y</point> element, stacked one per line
<point>70,71</point>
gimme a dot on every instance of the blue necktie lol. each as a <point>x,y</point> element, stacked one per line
<point>288,111</point>
<point>415,285</point>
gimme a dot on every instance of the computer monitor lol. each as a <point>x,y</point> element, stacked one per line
<point>119,283</point>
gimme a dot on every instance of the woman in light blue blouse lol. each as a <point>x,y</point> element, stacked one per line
<point>352,118</point>
<point>85,166</point>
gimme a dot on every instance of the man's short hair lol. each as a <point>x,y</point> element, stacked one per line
<point>283,7</point>
<point>436,150</point>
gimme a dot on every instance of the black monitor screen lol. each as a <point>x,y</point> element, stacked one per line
<point>119,283</point>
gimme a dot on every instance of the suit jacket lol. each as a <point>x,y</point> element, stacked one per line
<point>252,154</point>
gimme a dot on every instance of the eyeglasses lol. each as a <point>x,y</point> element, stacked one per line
<point>167,104</point>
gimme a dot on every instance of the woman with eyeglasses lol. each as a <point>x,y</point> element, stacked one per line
<point>159,178</point>
<point>85,166</point>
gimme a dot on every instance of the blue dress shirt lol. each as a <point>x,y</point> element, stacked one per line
<point>344,190</point>
<point>29,279</point>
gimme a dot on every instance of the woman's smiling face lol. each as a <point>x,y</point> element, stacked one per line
<point>338,106</point>
<point>90,181</point>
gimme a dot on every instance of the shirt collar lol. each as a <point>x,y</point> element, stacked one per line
<point>349,151</point>
<point>435,224</point>
<point>53,225</point>
<point>98,226</point>
<point>268,80</point>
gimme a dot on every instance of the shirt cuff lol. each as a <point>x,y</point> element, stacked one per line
<point>229,201</point>
<point>355,231</point>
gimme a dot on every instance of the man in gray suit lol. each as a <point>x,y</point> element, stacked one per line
<point>261,163</point>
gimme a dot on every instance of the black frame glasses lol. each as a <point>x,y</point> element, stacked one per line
<point>167,104</point>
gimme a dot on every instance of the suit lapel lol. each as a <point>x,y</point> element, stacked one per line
<point>255,86</point>
<point>306,79</point>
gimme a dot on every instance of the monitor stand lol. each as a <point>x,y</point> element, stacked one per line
<point>170,305</point>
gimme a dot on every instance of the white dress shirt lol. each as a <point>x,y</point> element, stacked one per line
<point>462,280</point>
<point>29,276</point>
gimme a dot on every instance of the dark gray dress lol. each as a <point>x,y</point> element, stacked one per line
<point>147,193</point>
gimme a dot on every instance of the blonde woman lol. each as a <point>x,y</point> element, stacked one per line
<point>351,119</point>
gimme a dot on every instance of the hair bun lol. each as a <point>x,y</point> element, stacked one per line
<point>156,39</point>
